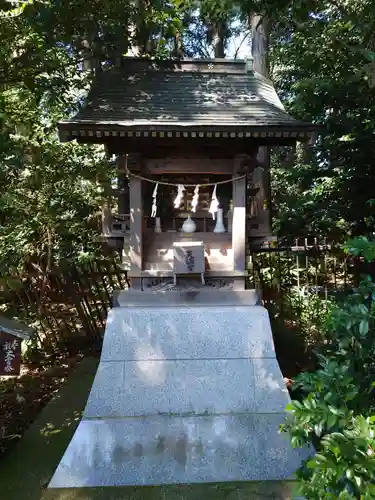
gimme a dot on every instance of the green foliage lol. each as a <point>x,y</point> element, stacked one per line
<point>344,465</point>
<point>319,53</point>
<point>361,247</point>
<point>322,60</point>
<point>295,285</point>
<point>17,7</point>
<point>308,310</point>
<point>50,192</point>
<point>336,415</point>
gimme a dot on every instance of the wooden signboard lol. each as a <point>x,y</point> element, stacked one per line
<point>10,354</point>
<point>189,257</point>
<point>12,333</point>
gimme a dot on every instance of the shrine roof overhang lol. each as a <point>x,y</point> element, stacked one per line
<point>189,98</point>
<point>15,328</point>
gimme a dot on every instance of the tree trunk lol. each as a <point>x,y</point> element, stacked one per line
<point>141,29</point>
<point>303,153</point>
<point>219,39</point>
<point>260,28</point>
<point>260,37</point>
<point>178,50</point>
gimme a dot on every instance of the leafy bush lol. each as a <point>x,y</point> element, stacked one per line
<point>309,310</point>
<point>336,415</point>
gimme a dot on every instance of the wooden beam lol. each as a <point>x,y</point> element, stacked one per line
<point>188,165</point>
<point>161,148</point>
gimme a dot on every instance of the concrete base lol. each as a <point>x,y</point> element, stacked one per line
<point>177,450</point>
<point>198,298</point>
<point>183,395</point>
<point>218,491</point>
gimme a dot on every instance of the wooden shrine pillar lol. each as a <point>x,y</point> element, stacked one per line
<point>239,222</point>
<point>260,212</point>
<point>136,225</point>
<point>123,193</point>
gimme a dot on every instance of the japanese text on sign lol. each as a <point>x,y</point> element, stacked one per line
<point>10,348</point>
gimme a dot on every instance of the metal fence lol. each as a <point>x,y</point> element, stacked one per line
<point>314,266</point>
<point>299,285</point>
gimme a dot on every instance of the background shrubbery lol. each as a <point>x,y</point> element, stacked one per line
<point>336,412</point>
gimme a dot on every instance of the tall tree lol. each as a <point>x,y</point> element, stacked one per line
<point>52,191</point>
<point>320,55</point>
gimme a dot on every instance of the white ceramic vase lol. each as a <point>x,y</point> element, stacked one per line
<point>189,226</point>
<point>219,228</point>
<point>157,228</point>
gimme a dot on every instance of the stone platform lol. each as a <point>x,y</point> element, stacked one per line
<point>188,390</point>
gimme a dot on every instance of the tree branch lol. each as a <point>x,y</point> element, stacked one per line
<point>241,43</point>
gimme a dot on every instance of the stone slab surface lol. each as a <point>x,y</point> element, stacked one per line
<point>170,450</point>
<point>199,298</point>
<point>182,395</point>
<point>107,392</point>
<point>271,394</point>
<point>249,490</point>
<point>187,333</point>
<point>186,387</point>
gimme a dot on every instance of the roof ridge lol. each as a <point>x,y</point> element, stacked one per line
<point>217,65</point>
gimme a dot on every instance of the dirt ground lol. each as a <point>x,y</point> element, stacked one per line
<point>23,397</point>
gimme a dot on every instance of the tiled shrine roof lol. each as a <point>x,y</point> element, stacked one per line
<point>189,98</point>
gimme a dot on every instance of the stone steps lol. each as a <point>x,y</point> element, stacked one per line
<point>177,450</point>
<point>186,387</point>
<point>188,391</point>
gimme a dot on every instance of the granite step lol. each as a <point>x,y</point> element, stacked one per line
<point>244,490</point>
<point>176,450</point>
<point>179,332</point>
<point>188,391</point>
<point>187,387</point>
<point>197,298</point>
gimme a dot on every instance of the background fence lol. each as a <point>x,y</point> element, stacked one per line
<point>315,267</point>
<point>68,307</point>
<point>300,283</point>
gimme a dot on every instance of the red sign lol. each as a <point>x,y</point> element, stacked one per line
<point>10,354</point>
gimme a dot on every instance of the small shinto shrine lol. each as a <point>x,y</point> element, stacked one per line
<point>188,388</point>
<point>192,189</point>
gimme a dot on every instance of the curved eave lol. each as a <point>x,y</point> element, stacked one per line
<point>103,132</point>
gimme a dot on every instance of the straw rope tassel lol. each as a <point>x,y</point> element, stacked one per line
<point>194,201</point>
<point>180,194</point>
<point>154,205</point>
<point>214,205</point>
